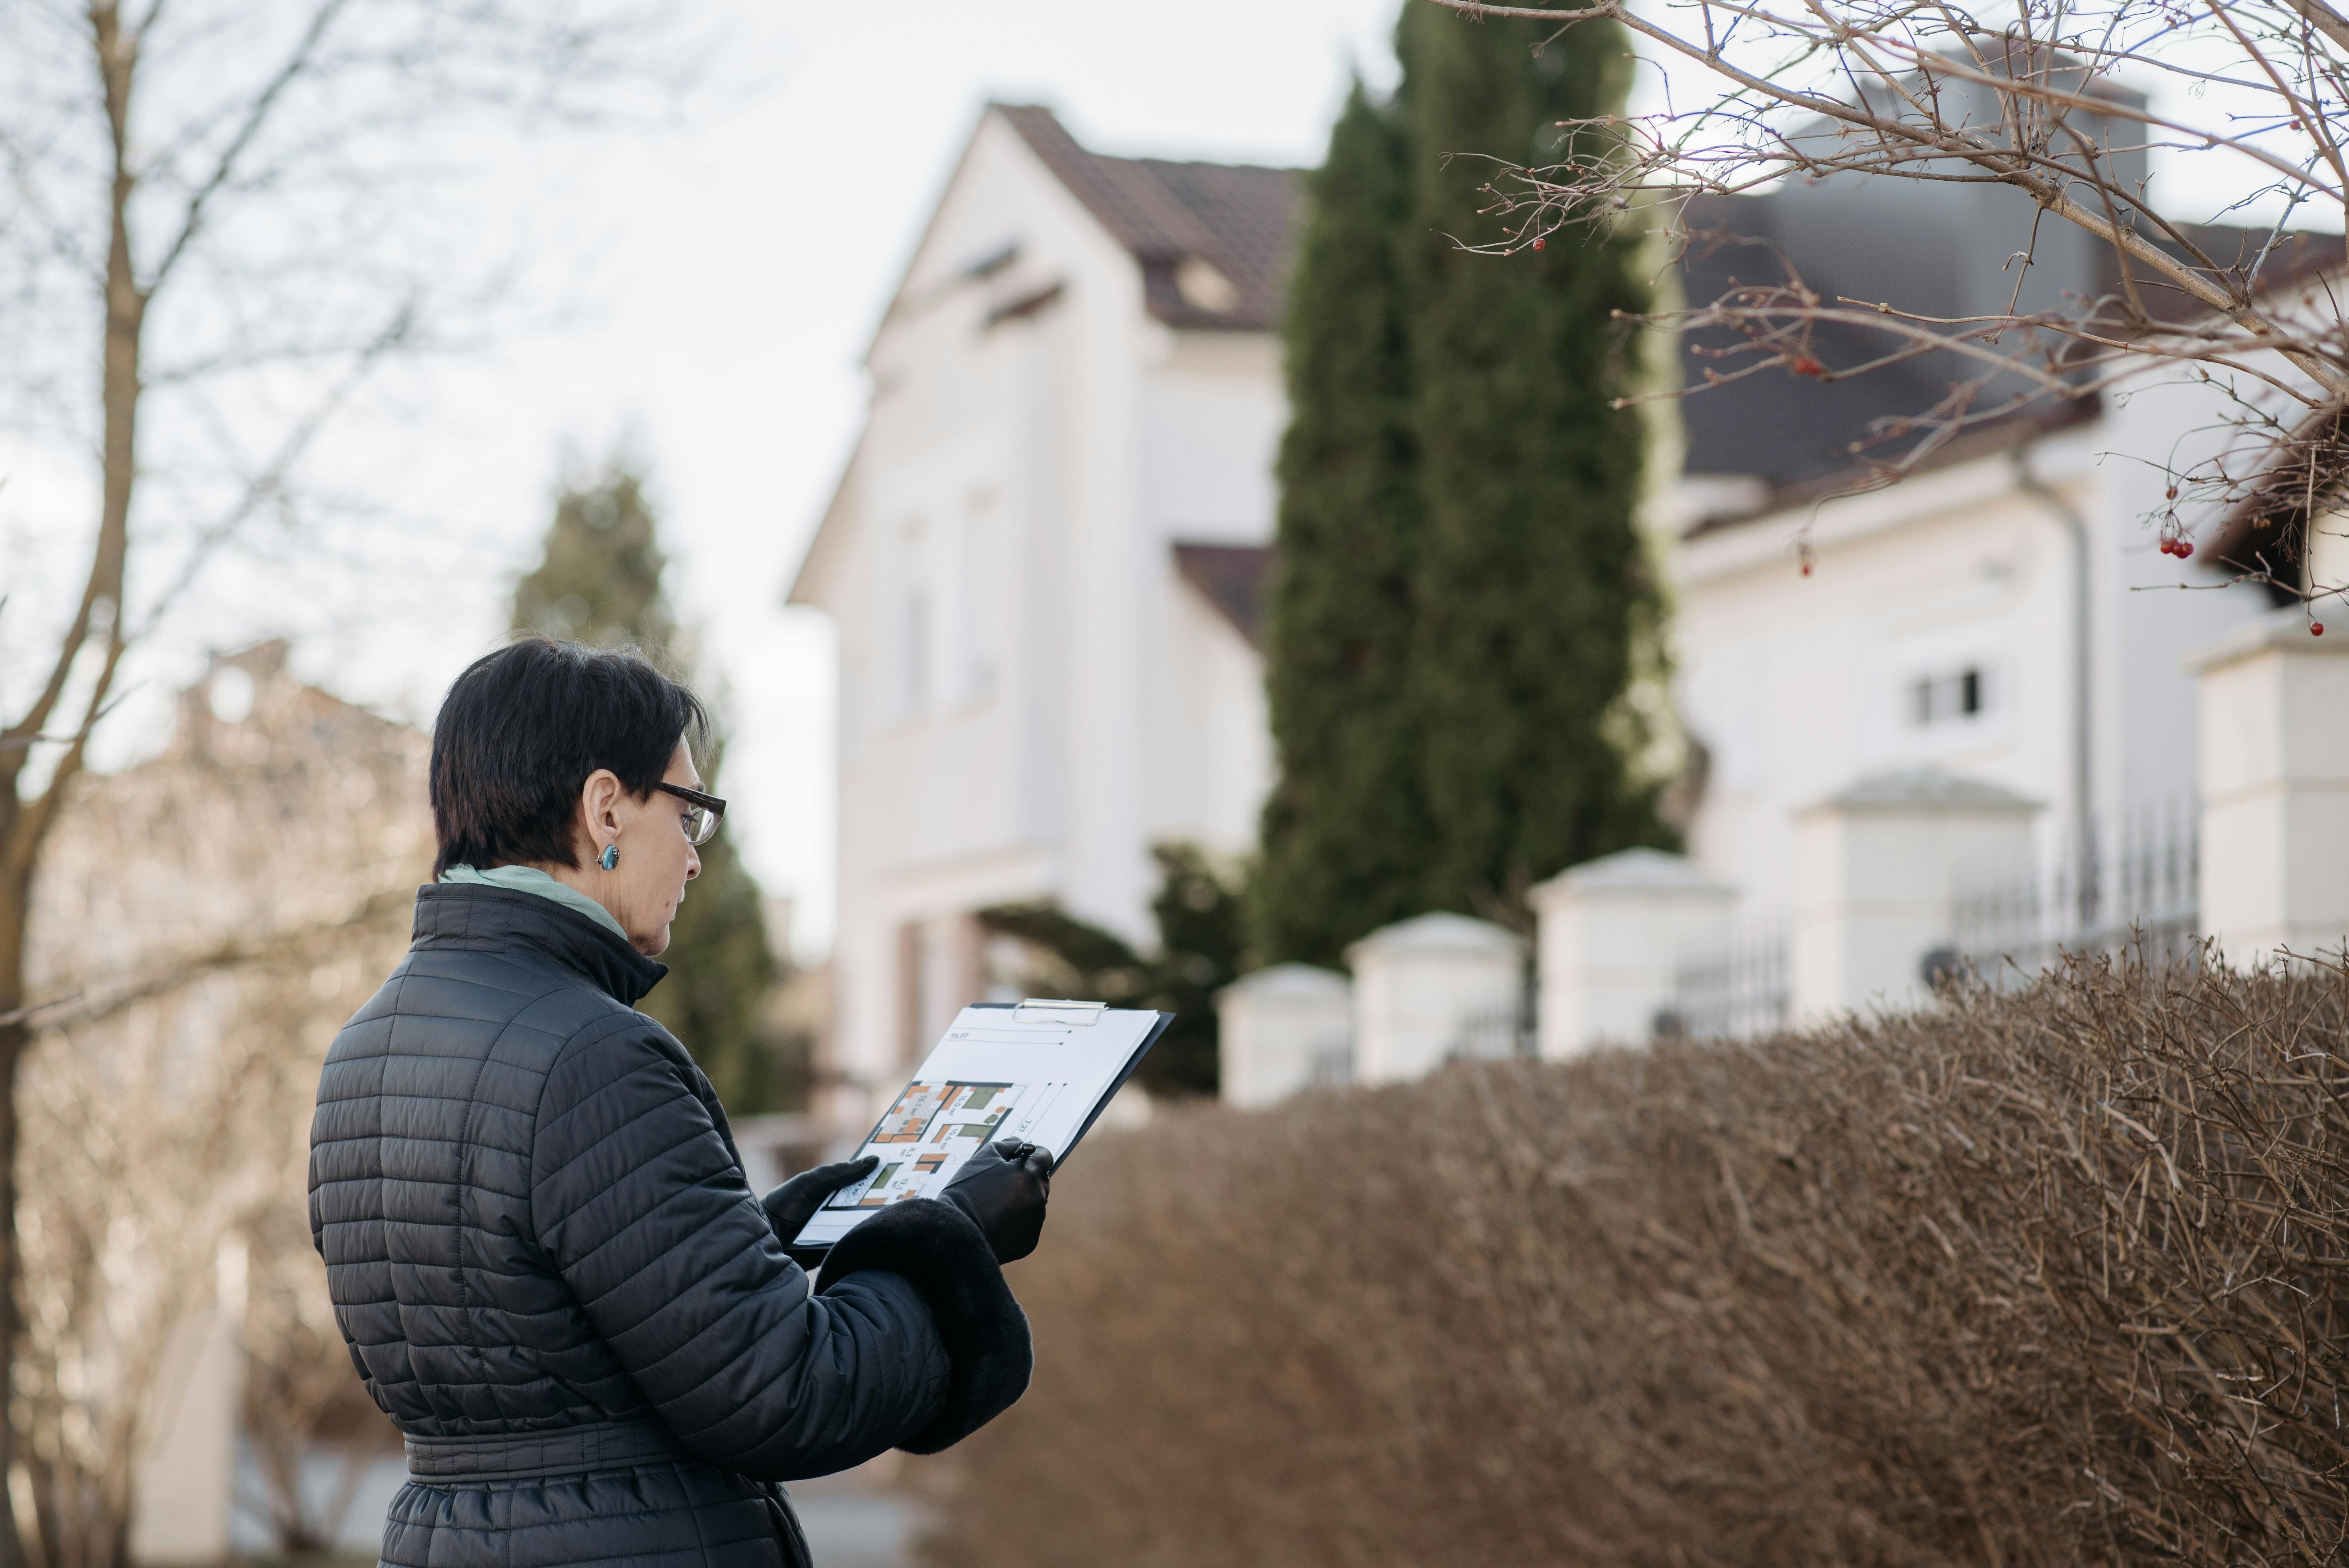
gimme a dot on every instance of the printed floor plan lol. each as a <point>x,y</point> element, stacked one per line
<point>931,1126</point>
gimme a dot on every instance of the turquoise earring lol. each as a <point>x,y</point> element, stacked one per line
<point>610,857</point>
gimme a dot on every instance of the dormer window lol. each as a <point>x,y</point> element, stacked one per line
<point>1202,287</point>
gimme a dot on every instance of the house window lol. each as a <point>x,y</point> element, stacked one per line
<point>1951,697</point>
<point>982,571</point>
<point>915,631</point>
<point>918,651</point>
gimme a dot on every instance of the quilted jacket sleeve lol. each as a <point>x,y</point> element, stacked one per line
<point>639,1204</point>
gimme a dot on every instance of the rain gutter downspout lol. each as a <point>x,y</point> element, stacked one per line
<point>2075,526</point>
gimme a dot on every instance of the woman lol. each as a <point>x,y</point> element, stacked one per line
<point>537,1234</point>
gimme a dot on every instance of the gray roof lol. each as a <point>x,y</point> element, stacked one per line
<point>1935,250</point>
<point>1237,218</point>
<point>1933,788</point>
<point>2285,628</point>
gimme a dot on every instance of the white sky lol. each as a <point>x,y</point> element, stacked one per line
<point>726,277</point>
<point>758,254</point>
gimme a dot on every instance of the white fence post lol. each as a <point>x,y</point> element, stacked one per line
<point>1609,942</point>
<point>186,1502</point>
<point>2275,788</point>
<point>1875,870</point>
<point>1425,988</point>
<point>1281,1029</point>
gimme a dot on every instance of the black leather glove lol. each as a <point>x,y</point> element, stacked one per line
<point>792,1205</point>
<point>1004,1188</point>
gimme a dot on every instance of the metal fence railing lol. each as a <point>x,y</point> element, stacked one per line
<point>2135,885</point>
<point>1732,985</point>
<point>1330,1063</point>
<point>1493,1036</point>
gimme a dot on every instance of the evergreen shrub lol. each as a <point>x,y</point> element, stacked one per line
<point>1463,602</point>
<point>598,582</point>
<point>1197,913</point>
<point>2043,1277</point>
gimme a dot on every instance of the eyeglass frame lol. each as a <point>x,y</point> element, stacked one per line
<point>709,803</point>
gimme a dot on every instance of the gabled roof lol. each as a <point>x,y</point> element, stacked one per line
<point>1940,251</point>
<point>1231,578</point>
<point>1237,219</point>
<point>1930,787</point>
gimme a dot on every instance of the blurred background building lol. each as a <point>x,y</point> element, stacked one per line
<point>1043,560</point>
<point>1047,559</point>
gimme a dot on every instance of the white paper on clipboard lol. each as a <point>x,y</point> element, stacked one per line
<point>1039,1072</point>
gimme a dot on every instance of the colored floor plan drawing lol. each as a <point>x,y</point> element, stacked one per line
<point>924,1135</point>
<point>905,1121</point>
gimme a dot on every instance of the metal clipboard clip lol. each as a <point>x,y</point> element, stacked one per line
<point>1077,1015</point>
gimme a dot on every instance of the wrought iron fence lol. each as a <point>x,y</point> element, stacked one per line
<point>2133,885</point>
<point>1731,986</point>
<point>1330,1063</point>
<point>1492,1036</point>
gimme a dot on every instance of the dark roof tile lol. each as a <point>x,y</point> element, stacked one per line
<point>1938,251</point>
<point>1231,578</point>
<point>1239,218</point>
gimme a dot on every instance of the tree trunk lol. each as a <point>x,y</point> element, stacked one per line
<point>24,824</point>
<point>16,897</point>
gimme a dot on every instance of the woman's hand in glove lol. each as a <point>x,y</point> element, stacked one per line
<point>792,1205</point>
<point>1004,1187</point>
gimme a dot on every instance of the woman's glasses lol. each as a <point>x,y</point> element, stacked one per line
<point>702,812</point>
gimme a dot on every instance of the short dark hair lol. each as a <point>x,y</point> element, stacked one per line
<point>521,729</point>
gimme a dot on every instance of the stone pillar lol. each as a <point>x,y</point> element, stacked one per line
<point>1281,1029</point>
<point>1875,867</point>
<point>1610,941</point>
<point>2275,788</point>
<point>187,1477</point>
<point>1430,988</point>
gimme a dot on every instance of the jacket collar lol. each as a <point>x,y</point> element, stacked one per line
<point>483,918</point>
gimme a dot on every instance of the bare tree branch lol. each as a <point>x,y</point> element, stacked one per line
<point>98,1000</point>
<point>257,113</point>
<point>1930,91</point>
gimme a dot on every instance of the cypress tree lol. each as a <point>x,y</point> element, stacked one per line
<point>1533,585</point>
<point>1346,825</point>
<point>599,582</point>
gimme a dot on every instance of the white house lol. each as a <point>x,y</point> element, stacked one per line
<point>2004,616</point>
<point>1045,558</point>
<point>1042,560</point>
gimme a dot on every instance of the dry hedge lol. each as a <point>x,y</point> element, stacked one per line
<point>2049,1277</point>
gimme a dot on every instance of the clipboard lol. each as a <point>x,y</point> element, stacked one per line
<point>1036,1070</point>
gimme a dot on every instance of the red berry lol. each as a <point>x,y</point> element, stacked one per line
<point>1538,244</point>
<point>2167,544</point>
<point>1806,569</point>
<point>1806,365</point>
<point>2170,494</point>
<point>2185,549</point>
<point>2316,628</point>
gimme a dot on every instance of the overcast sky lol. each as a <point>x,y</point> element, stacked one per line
<point>718,282</point>
<point>754,257</point>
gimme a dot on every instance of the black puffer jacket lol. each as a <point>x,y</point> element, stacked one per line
<point>552,1274</point>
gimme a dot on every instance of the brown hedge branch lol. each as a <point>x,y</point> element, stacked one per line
<point>2049,1277</point>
